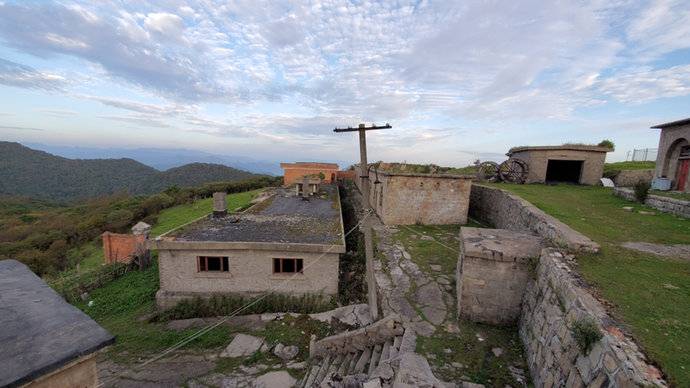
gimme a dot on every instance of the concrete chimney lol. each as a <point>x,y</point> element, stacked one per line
<point>220,207</point>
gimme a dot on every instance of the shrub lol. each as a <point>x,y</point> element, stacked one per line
<point>607,143</point>
<point>221,305</point>
<point>641,189</point>
<point>586,334</point>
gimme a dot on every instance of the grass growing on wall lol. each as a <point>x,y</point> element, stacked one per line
<point>179,215</point>
<point>651,294</point>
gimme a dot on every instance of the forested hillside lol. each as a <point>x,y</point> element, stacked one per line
<point>45,236</point>
<point>37,174</point>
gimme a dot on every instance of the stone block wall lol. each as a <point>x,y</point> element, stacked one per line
<point>630,177</point>
<point>408,199</point>
<point>492,273</point>
<point>660,203</point>
<point>504,210</point>
<point>551,304</point>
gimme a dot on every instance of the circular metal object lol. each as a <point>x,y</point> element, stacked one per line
<point>487,171</point>
<point>513,171</point>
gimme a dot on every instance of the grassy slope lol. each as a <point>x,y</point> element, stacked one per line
<point>629,166</point>
<point>182,214</point>
<point>650,294</point>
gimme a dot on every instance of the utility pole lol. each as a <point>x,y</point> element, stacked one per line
<point>363,165</point>
<point>366,227</point>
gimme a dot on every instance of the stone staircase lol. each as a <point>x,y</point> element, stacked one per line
<point>350,359</point>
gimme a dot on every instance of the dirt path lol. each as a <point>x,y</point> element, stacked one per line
<point>678,250</point>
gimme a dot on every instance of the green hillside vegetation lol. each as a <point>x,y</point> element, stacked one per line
<point>648,293</point>
<point>51,239</point>
<point>612,169</point>
<point>38,174</point>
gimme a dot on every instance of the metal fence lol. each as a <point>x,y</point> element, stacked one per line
<point>641,155</point>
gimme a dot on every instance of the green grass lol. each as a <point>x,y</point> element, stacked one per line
<point>629,166</point>
<point>179,215</point>
<point>427,252</point>
<point>673,194</point>
<point>117,306</point>
<point>479,364</point>
<point>637,284</point>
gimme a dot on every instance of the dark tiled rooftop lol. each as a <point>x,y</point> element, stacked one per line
<point>283,217</point>
<point>39,331</point>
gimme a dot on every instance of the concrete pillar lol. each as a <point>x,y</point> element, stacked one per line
<point>220,206</point>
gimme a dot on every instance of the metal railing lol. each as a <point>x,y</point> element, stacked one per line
<point>641,155</point>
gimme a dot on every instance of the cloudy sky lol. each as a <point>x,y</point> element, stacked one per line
<point>270,79</point>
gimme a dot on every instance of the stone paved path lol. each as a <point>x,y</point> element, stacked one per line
<point>424,300</point>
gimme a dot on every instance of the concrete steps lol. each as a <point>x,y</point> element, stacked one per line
<point>335,367</point>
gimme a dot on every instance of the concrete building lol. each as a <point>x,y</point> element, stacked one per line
<point>256,251</point>
<point>581,164</point>
<point>293,172</point>
<point>673,158</point>
<point>44,341</point>
<point>401,198</point>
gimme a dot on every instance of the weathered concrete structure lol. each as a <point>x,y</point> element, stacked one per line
<point>580,164</point>
<point>283,237</point>
<point>411,198</point>
<point>294,172</point>
<point>504,210</point>
<point>45,341</point>
<point>492,273</point>
<point>673,158</point>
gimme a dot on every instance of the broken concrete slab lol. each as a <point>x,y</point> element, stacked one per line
<point>285,353</point>
<point>242,345</point>
<point>415,371</point>
<point>276,379</point>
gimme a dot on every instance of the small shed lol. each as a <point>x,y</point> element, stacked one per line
<point>294,172</point>
<point>46,342</point>
<point>570,163</point>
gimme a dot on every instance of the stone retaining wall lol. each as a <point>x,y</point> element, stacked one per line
<point>504,210</point>
<point>552,303</point>
<point>630,177</point>
<point>663,204</point>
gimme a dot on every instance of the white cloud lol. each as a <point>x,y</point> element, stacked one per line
<point>15,74</point>
<point>645,84</point>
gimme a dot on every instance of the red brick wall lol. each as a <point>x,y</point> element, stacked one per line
<point>348,174</point>
<point>293,172</point>
<point>120,247</point>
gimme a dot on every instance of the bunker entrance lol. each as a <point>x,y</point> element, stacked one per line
<point>564,171</point>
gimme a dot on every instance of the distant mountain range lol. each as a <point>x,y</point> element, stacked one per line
<point>38,174</point>
<point>162,158</point>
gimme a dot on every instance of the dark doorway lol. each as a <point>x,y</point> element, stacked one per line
<point>564,171</point>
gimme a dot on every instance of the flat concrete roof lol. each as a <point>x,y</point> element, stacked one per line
<point>281,218</point>
<point>676,123</point>
<point>40,332</point>
<point>569,147</point>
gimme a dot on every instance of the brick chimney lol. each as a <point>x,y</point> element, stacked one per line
<point>220,207</point>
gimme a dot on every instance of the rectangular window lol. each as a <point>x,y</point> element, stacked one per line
<point>287,265</point>
<point>212,264</point>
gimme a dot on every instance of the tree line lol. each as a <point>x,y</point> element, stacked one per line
<point>40,234</point>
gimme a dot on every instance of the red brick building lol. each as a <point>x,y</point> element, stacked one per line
<point>293,172</point>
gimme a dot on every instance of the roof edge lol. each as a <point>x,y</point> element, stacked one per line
<point>676,123</point>
<point>573,147</point>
